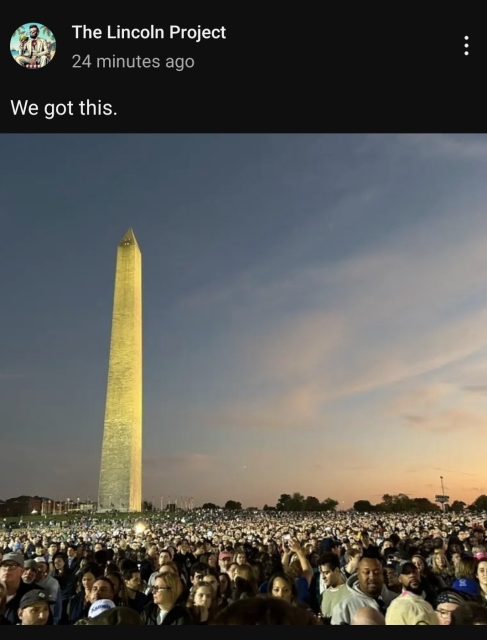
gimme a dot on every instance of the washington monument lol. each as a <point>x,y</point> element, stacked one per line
<point>121,457</point>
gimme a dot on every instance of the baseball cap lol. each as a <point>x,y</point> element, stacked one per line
<point>32,597</point>
<point>225,554</point>
<point>403,566</point>
<point>467,586</point>
<point>411,610</point>
<point>99,607</point>
<point>40,560</point>
<point>30,564</point>
<point>17,557</point>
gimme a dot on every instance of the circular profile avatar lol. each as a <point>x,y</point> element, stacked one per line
<point>33,46</point>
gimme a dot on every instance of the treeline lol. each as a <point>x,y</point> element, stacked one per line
<point>399,503</point>
<point>402,503</point>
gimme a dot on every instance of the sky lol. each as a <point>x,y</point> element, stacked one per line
<point>315,313</point>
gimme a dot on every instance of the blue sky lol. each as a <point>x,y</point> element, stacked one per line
<point>315,307</point>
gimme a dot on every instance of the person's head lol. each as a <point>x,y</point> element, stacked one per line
<point>52,549</point>
<point>439,562</point>
<point>202,595</point>
<point>224,580</point>
<point>169,567</point>
<point>102,589</point>
<point>240,558</point>
<point>224,560</point>
<point>164,557</point>
<point>482,573</point>
<point>33,31</point>
<point>368,616</point>
<point>11,570</point>
<point>117,616</point>
<point>59,562</point>
<point>132,579</point>
<point>264,611</point>
<point>71,551</point>
<point>370,576</point>
<point>30,572</point>
<point>117,581</point>
<point>42,568</point>
<point>88,576</point>
<point>409,577</point>
<point>213,582</point>
<point>34,608</point>
<point>232,568</point>
<point>198,572</point>
<point>447,601</point>
<point>469,614</point>
<point>411,612</point>
<point>281,585</point>
<point>353,558</point>
<point>420,563</point>
<point>329,566</point>
<point>166,590</point>
<point>391,579</point>
<point>466,568</point>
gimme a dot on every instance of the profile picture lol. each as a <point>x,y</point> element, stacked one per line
<point>33,45</point>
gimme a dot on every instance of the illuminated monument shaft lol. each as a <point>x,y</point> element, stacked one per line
<point>121,458</point>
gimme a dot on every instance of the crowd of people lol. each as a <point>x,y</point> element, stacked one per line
<point>232,568</point>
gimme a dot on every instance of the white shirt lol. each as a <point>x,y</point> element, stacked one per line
<point>161,615</point>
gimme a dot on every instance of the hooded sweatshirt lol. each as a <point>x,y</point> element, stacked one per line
<point>345,610</point>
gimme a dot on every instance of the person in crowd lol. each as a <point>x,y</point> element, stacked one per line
<point>368,616</point>
<point>49,584</point>
<point>136,598</point>
<point>79,603</point>
<point>34,608</point>
<point>202,603</point>
<point>165,609</point>
<point>469,614</point>
<point>11,572</point>
<point>265,611</point>
<point>334,583</point>
<point>448,601</point>
<point>366,589</point>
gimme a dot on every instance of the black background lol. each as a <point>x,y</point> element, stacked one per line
<point>278,70</point>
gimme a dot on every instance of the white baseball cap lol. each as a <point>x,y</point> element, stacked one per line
<point>99,607</point>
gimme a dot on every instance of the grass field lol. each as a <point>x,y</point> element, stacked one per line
<point>67,517</point>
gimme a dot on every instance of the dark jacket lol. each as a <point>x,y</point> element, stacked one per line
<point>76,608</point>
<point>177,615</point>
<point>4,621</point>
<point>139,602</point>
<point>13,605</point>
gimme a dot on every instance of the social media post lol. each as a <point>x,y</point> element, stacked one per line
<point>111,76</point>
<point>221,73</point>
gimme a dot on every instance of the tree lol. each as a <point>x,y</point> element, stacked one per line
<point>147,506</point>
<point>232,505</point>
<point>423,505</point>
<point>329,505</point>
<point>311,504</point>
<point>399,503</point>
<point>457,506</point>
<point>210,505</point>
<point>283,501</point>
<point>363,506</point>
<point>251,509</point>
<point>480,504</point>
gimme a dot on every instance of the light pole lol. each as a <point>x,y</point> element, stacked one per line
<point>162,503</point>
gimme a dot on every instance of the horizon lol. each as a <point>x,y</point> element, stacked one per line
<point>314,313</point>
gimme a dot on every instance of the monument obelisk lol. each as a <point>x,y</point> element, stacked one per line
<point>120,485</point>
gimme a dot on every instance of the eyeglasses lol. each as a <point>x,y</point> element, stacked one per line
<point>444,614</point>
<point>156,589</point>
<point>9,566</point>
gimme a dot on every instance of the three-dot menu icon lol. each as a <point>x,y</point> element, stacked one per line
<point>466,45</point>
